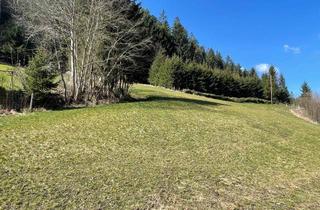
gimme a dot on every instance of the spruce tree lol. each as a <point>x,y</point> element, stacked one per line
<point>154,74</point>
<point>305,90</point>
<point>210,59</point>
<point>181,40</point>
<point>272,80</point>
<point>164,35</point>
<point>219,63</point>
<point>40,75</point>
<point>282,92</point>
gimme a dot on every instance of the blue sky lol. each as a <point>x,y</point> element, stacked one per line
<point>285,33</point>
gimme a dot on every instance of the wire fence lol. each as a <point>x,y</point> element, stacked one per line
<point>13,100</point>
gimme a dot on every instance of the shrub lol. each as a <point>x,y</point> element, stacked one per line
<point>311,104</point>
<point>163,71</point>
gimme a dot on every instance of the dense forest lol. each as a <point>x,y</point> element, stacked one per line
<point>98,48</point>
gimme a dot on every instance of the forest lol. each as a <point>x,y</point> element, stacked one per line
<point>89,52</point>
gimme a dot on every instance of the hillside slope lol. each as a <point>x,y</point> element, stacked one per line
<point>167,150</point>
<point>5,78</point>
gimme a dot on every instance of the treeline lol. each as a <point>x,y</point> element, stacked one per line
<point>181,63</point>
<point>91,51</point>
<point>15,48</point>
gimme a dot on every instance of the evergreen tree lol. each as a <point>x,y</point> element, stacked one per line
<point>40,75</point>
<point>200,55</point>
<point>14,47</point>
<point>282,93</point>
<point>305,90</point>
<point>181,40</point>
<point>272,80</point>
<point>265,85</point>
<point>154,74</point>
<point>253,73</point>
<point>165,37</point>
<point>211,59</point>
<point>219,63</point>
<point>229,64</point>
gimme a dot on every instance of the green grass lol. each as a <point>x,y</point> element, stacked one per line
<point>5,78</point>
<point>168,150</point>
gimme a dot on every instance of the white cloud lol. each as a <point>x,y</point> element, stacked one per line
<point>290,49</point>
<point>264,68</point>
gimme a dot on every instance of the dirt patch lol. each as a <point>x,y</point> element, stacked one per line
<point>298,112</point>
<point>5,112</point>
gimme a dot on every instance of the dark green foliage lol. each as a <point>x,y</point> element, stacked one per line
<point>183,48</point>
<point>200,78</point>
<point>282,93</point>
<point>155,70</point>
<point>40,75</point>
<point>163,70</point>
<point>173,73</point>
<point>14,47</point>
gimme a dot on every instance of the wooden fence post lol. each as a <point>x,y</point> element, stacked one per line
<point>31,103</point>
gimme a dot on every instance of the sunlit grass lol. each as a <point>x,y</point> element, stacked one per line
<point>167,150</point>
<point>6,78</point>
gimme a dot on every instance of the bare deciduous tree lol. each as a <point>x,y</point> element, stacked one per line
<point>102,39</point>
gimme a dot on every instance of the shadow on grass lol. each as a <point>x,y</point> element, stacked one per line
<point>176,102</point>
<point>177,99</point>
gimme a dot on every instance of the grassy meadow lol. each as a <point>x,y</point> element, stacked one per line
<point>165,150</point>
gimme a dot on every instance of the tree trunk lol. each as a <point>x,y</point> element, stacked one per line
<point>271,90</point>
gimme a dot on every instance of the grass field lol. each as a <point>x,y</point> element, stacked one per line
<point>5,78</point>
<point>167,150</point>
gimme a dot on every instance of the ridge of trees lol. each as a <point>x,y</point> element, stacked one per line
<point>182,63</point>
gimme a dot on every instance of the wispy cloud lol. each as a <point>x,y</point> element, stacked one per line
<point>290,49</point>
